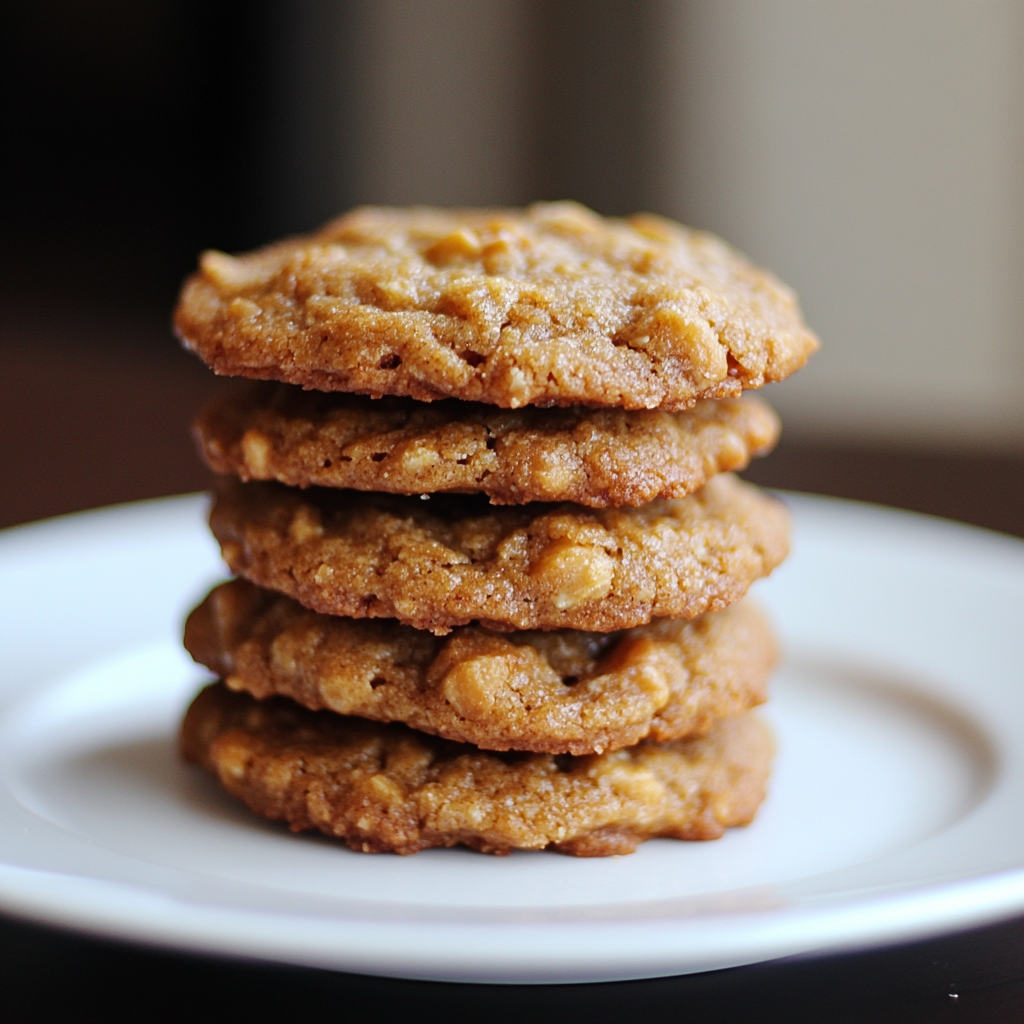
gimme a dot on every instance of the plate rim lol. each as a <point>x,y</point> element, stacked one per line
<point>911,913</point>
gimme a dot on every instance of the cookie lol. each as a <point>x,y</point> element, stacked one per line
<point>594,457</point>
<point>455,559</point>
<point>561,691</point>
<point>551,305</point>
<point>387,788</point>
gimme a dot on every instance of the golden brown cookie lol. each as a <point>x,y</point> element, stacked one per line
<point>455,559</point>
<point>551,305</point>
<point>559,692</point>
<point>595,457</point>
<point>387,788</point>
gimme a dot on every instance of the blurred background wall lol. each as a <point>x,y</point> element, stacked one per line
<point>872,153</point>
<point>869,151</point>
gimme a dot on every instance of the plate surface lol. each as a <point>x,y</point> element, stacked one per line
<point>894,809</point>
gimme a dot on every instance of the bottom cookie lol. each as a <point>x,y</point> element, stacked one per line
<point>384,787</point>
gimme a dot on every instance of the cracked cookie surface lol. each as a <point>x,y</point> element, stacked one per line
<point>561,691</point>
<point>594,457</point>
<point>455,559</point>
<point>383,787</point>
<point>551,305</point>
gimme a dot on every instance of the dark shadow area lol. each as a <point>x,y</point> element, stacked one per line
<point>129,145</point>
<point>138,132</point>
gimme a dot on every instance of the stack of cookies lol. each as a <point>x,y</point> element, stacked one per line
<point>489,564</point>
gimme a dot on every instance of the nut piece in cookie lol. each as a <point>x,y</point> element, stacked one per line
<point>594,457</point>
<point>552,305</point>
<point>452,560</point>
<point>561,691</point>
<point>386,788</point>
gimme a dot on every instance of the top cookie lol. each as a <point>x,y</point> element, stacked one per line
<point>552,305</point>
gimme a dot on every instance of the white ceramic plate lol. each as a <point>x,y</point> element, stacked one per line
<point>895,805</point>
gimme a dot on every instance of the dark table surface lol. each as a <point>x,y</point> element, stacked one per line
<point>93,413</point>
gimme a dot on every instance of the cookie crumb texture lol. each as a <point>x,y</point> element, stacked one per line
<point>561,691</point>
<point>386,788</point>
<point>452,560</point>
<point>594,457</point>
<point>552,305</point>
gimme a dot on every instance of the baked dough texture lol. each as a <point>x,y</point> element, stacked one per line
<point>594,457</point>
<point>552,305</point>
<point>558,692</point>
<point>451,560</point>
<point>383,787</point>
